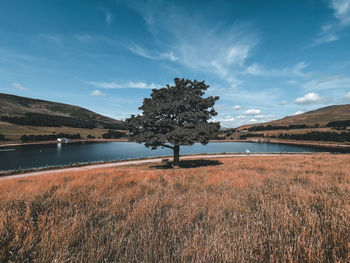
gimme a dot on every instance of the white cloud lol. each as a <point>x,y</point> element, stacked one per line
<point>310,99</point>
<point>298,112</point>
<point>341,10</point>
<point>227,119</point>
<point>141,85</point>
<point>236,107</point>
<point>347,96</point>
<point>140,51</point>
<point>169,55</point>
<point>252,112</point>
<point>97,93</point>
<point>128,85</point>
<point>241,117</point>
<point>253,121</point>
<point>19,86</point>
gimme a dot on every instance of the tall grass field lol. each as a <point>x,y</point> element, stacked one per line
<point>246,209</point>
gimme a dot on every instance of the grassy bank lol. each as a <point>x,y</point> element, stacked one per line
<point>261,209</point>
<point>13,132</point>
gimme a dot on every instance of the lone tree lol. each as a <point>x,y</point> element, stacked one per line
<point>174,116</point>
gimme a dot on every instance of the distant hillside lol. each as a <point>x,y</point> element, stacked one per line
<point>319,117</point>
<point>28,111</point>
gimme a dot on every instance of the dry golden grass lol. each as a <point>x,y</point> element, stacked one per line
<point>252,209</point>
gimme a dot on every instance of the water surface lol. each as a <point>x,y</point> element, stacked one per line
<point>44,155</point>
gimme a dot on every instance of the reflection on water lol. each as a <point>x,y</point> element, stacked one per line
<point>59,148</point>
<point>42,155</point>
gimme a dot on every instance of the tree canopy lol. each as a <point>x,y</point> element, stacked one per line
<point>175,115</point>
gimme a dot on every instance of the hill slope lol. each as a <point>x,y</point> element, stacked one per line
<point>28,111</point>
<point>320,116</point>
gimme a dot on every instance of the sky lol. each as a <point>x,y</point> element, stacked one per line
<point>264,59</point>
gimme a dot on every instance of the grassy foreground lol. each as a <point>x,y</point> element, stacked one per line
<point>249,209</point>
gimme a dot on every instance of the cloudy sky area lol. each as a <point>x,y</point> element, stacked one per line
<point>265,59</point>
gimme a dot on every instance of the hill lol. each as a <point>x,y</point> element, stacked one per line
<point>35,112</point>
<point>320,117</point>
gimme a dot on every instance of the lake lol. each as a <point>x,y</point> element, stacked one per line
<point>45,155</point>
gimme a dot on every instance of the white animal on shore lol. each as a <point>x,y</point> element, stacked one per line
<point>247,151</point>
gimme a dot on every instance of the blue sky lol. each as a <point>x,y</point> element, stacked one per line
<point>265,59</point>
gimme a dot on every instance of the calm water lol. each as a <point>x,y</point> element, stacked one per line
<point>35,156</point>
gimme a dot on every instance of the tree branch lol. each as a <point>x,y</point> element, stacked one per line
<point>167,146</point>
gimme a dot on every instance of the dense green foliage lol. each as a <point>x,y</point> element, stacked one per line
<point>339,124</point>
<point>318,136</point>
<point>281,127</point>
<point>39,119</point>
<point>48,137</point>
<point>175,115</point>
<point>111,134</point>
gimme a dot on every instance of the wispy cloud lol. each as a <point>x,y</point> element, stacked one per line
<point>341,10</point>
<point>310,99</point>
<point>19,86</point>
<point>138,50</point>
<point>328,34</point>
<point>128,85</point>
<point>108,15</point>
<point>97,93</point>
<point>283,102</point>
<point>109,18</point>
<point>194,42</point>
<point>169,55</point>
<point>258,70</point>
<point>330,31</point>
<point>84,37</point>
<point>52,38</point>
<point>327,83</point>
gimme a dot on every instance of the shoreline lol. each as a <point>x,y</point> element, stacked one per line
<point>55,142</point>
<point>318,144</point>
<point>12,174</point>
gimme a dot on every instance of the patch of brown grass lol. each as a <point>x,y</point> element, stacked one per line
<point>252,209</point>
<point>13,132</point>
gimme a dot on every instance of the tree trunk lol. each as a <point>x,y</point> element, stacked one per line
<point>176,155</point>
